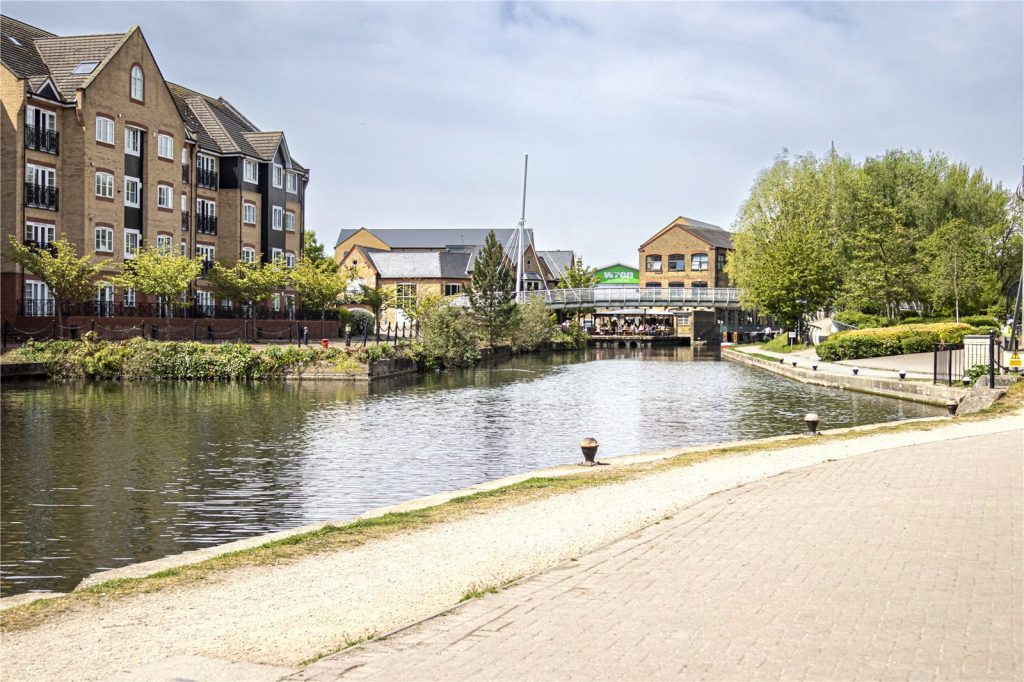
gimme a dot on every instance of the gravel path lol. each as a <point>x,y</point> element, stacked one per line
<point>283,615</point>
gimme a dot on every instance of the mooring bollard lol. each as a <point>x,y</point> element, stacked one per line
<point>967,381</point>
<point>794,363</point>
<point>812,423</point>
<point>855,370</point>
<point>782,361</point>
<point>951,405</point>
<point>589,448</point>
<point>903,375</point>
<point>814,368</point>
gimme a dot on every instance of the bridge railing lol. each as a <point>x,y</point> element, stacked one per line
<point>634,296</point>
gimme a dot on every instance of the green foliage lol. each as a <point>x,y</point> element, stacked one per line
<point>249,283</point>
<point>856,318</point>
<point>448,338</point>
<point>574,338</point>
<point>491,290</point>
<point>579,276</point>
<point>980,321</point>
<point>313,250</point>
<point>71,278</point>
<point>361,321</point>
<point>378,298</point>
<point>976,372</point>
<point>159,272</point>
<point>533,327</point>
<point>317,284</point>
<point>897,340</point>
<point>780,344</point>
<point>957,271</point>
<point>139,359</point>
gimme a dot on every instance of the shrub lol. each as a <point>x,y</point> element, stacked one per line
<point>574,338</point>
<point>860,320</point>
<point>980,321</point>
<point>448,338</point>
<point>904,338</point>
<point>533,327</point>
<point>361,321</point>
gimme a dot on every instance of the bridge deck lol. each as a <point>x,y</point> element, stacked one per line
<point>639,297</point>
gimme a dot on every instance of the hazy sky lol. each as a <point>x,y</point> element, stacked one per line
<point>418,114</point>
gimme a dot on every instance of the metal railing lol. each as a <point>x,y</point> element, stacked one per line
<point>184,173</point>
<point>42,139</point>
<point>191,310</point>
<point>621,297</point>
<point>206,224</point>
<point>184,221</point>
<point>41,196</point>
<point>40,246</point>
<point>206,178</point>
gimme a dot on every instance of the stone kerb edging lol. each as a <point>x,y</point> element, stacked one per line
<point>916,391</point>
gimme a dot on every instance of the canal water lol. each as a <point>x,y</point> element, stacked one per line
<point>100,475</point>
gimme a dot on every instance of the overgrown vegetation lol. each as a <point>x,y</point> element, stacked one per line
<point>896,340</point>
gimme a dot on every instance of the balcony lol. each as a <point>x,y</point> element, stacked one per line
<point>41,139</point>
<point>184,173</point>
<point>207,266</point>
<point>184,221</point>
<point>40,196</point>
<point>38,246</point>
<point>206,224</point>
<point>206,177</point>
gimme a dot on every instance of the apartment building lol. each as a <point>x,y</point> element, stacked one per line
<point>686,253</point>
<point>99,149</point>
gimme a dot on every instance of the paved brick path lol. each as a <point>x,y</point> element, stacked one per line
<point>899,564</point>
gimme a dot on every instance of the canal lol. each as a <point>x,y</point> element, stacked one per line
<point>100,475</point>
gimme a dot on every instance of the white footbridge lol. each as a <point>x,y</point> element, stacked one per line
<point>638,297</point>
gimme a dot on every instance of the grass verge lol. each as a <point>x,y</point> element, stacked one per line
<point>340,537</point>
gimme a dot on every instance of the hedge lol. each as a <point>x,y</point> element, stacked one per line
<point>898,340</point>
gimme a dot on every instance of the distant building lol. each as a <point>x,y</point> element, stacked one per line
<point>686,253</point>
<point>618,275</point>
<point>421,262</point>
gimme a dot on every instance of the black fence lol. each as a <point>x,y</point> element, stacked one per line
<point>954,363</point>
<point>46,308</point>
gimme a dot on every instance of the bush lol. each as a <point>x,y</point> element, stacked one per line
<point>574,338</point>
<point>904,338</point>
<point>361,321</point>
<point>448,338</point>
<point>860,320</point>
<point>980,321</point>
<point>533,326</point>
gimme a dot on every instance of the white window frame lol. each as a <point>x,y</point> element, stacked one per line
<point>105,129</point>
<point>289,221</point>
<point>247,176</point>
<point>106,244</point>
<point>49,117</point>
<point>204,298</point>
<point>292,181</point>
<point>41,298</point>
<point>184,248</point>
<point>206,251</point>
<point>33,230</point>
<point>406,298</point>
<point>248,208</point>
<point>277,302</point>
<point>278,175</point>
<point>165,143</point>
<point>138,83</point>
<point>105,182</point>
<point>34,174</point>
<point>278,214</point>
<point>138,134</point>
<point>137,234</point>
<point>164,243</point>
<point>130,297</point>
<point>275,253</point>
<point>289,259</point>
<point>165,196</point>
<point>248,254</point>
<point>184,155</point>
<point>128,181</point>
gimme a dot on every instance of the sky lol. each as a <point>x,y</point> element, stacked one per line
<point>419,114</point>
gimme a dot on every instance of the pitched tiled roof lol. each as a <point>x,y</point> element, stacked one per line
<point>17,48</point>
<point>403,238</point>
<point>62,55</point>
<point>265,144</point>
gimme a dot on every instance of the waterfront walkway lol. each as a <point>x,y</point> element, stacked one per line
<point>898,564</point>
<point>916,365</point>
<point>891,554</point>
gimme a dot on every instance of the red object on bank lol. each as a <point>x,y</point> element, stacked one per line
<point>324,342</point>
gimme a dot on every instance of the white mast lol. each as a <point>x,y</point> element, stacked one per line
<point>520,234</point>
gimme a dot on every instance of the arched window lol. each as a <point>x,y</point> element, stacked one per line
<point>676,262</point>
<point>138,84</point>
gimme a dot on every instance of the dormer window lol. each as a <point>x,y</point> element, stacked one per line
<point>86,67</point>
<point>138,84</point>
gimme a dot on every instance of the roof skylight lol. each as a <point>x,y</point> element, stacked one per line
<point>14,40</point>
<point>86,67</point>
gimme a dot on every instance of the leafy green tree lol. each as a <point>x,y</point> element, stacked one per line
<point>534,325</point>
<point>378,298</point>
<point>313,250</point>
<point>958,271</point>
<point>318,285</point>
<point>248,283</point>
<point>160,272</point>
<point>579,276</point>
<point>491,290</point>
<point>448,338</point>
<point>70,277</point>
<point>787,257</point>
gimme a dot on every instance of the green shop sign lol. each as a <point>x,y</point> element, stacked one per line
<point>618,275</point>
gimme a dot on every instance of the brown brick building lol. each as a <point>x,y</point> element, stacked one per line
<point>98,149</point>
<point>686,253</point>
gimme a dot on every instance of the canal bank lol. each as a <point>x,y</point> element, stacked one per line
<point>286,611</point>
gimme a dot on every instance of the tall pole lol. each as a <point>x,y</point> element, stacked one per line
<point>522,233</point>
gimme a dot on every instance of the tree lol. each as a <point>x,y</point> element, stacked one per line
<point>579,276</point>
<point>313,250</point>
<point>491,290</point>
<point>161,273</point>
<point>958,269</point>
<point>247,282</point>
<point>378,298</point>
<point>534,325</point>
<point>70,277</point>
<point>787,256</point>
<point>317,284</point>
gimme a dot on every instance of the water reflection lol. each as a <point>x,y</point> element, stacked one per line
<point>100,475</point>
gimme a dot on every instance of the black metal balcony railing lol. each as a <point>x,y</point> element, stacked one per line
<point>206,224</point>
<point>40,196</point>
<point>207,266</point>
<point>184,173</point>
<point>40,246</point>
<point>41,139</point>
<point>184,221</point>
<point>206,178</point>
